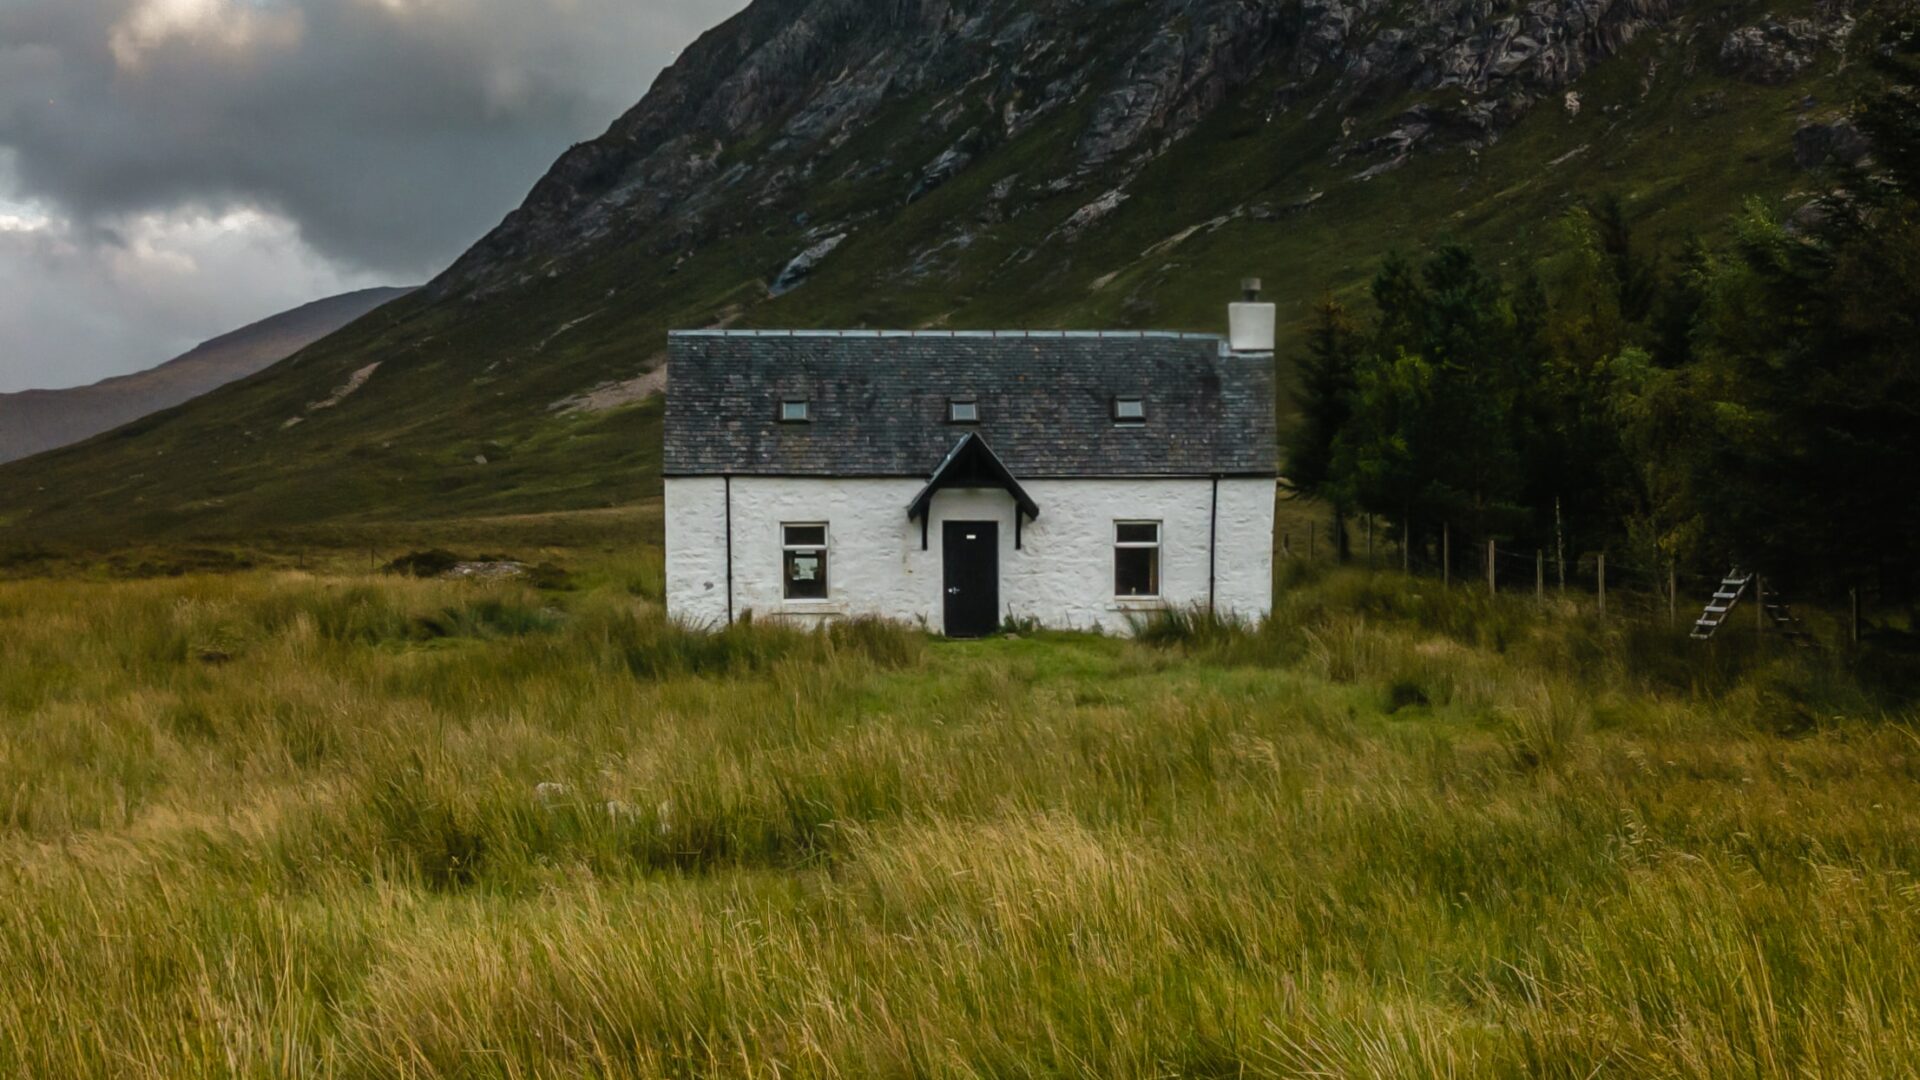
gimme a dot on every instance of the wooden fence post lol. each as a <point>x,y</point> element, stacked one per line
<point>1540,575</point>
<point>1286,544</point>
<point>1369,541</point>
<point>1673,596</point>
<point>1603,584</point>
<point>1446,554</point>
<point>1406,547</point>
<point>1853,633</point>
<point>1313,531</point>
<point>1759,605</point>
<point>1560,546</point>
<point>1493,586</point>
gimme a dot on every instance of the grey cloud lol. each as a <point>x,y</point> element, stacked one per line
<point>169,177</point>
<point>393,132</point>
<point>74,310</point>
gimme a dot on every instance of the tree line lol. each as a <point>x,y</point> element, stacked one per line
<point>1753,402</point>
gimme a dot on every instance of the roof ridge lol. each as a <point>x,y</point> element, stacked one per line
<point>1050,335</point>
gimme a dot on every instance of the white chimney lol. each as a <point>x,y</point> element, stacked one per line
<point>1250,322</point>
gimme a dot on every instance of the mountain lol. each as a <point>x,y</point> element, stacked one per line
<point>968,164</point>
<point>37,420</point>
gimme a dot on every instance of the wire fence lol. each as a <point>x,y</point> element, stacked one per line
<point>1612,585</point>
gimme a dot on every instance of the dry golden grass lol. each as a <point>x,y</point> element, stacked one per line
<point>278,824</point>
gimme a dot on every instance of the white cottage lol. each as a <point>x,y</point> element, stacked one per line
<point>959,480</point>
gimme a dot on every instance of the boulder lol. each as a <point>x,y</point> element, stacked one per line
<point>1828,142</point>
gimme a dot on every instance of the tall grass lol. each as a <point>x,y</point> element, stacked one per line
<point>273,824</point>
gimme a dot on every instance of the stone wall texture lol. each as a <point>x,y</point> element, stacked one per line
<point>1062,576</point>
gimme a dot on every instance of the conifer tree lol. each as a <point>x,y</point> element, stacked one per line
<point>1325,401</point>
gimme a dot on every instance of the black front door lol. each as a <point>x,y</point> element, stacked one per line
<point>971,551</point>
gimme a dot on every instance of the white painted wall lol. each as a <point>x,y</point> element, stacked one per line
<point>1063,576</point>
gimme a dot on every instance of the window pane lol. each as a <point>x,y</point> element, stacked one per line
<point>806,536</point>
<point>963,412</point>
<point>793,410</point>
<point>1129,409</point>
<point>1136,571</point>
<point>1142,532</point>
<point>806,574</point>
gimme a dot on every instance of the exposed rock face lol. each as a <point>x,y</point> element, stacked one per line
<point>951,162</point>
<point>1541,48</point>
<point>1775,51</point>
<point>1180,76</point>
<point>803,264</point>
<point>1770,53</point>
<point>1087,215</point>
<point>803,78</point>
<point>1832,141</point>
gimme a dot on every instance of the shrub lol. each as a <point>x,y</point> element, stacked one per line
<point>549,577</point>
<point>423,564</point>
<point>426,831</point>
<point>27,560</point>
<point>1405,693</point>
<point>886,643</point>
<point>489,617</point>
<point>1544,722</point>
<point>651,646</point>
<point>1194,626</point>
<point>173,564</point>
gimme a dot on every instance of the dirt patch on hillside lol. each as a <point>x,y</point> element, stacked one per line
<point>340,392</point>
<point>347,389</point>
<point>609,396</point>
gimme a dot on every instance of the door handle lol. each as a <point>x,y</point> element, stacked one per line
<point>955,591</point>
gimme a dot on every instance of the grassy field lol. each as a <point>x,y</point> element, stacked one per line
<point>323,823</point>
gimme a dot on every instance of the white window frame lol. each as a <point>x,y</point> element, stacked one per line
<point>805,406</point>
<point>954,405</point>
<point>1130,399</point>
<point>1156,545</point>
<point>788,549</point>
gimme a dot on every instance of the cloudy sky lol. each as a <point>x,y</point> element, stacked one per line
<point>174,169</point>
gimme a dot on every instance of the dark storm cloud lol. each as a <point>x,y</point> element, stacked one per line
<point>173,169</point>
<point>391,132</point>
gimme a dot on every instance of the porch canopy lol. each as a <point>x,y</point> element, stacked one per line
<point>972,464</point>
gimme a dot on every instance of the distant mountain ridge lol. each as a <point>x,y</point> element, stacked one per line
<point>34,421</point>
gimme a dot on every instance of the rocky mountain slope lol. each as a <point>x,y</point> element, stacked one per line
<point>34,421</point>
<point>970,163</point>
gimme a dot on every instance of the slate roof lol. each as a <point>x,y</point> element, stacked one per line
<point>879,403</point>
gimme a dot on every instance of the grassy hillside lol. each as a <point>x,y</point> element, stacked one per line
<point>458,417</point>
<point>332,825</point>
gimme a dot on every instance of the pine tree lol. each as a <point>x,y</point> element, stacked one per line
<point>1469,337</point>
<point>1325,401</point>
<point>1808,374</point>
<point>1432,437</point>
